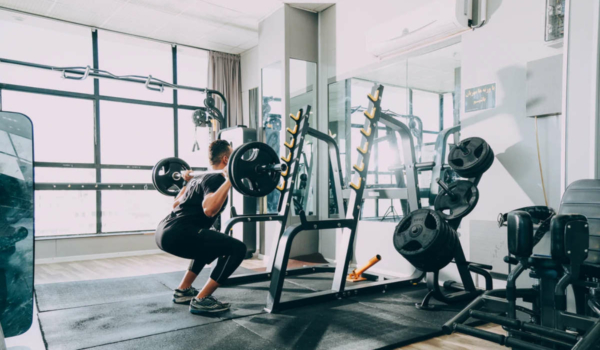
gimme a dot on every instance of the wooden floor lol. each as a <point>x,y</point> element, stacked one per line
<point>160,263</point>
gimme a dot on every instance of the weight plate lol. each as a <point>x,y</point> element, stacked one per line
<point>232,178</point>
<point>425,240</point>
<point>471,157</point>
<point>244,169</point>
<point>459,203</point>
<point>162,175</point>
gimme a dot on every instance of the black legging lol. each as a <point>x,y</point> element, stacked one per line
<point>203,247</point>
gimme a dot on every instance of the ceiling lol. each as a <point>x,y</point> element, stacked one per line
<point>221,25</point>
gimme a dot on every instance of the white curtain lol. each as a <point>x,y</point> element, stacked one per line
<point>224,75</point>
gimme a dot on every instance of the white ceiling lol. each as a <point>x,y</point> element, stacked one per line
<point>222,25</point>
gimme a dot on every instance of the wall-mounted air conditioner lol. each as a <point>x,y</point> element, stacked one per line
<point>427,24</point>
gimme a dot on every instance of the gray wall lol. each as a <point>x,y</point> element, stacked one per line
<point>78,248</point>
<point>250,78</point>
<point>327,69</point>
<point>288,33</point>
<point>580,102</point>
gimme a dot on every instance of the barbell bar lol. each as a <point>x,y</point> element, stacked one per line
<point>254,170</point>
<point>261,169</point>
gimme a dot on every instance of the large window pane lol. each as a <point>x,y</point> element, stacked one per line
<point>43,41</point>
<point>61,175</point>
<point>63,127</point>
<point>133,210</point>
<point>192,70</point>
<point>127,55</point>
<point>64,212</point>
<point>188,135</point>
<point>135,134</point>
<point>126,176</point>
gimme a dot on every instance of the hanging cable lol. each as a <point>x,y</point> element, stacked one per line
<point>537,141</point>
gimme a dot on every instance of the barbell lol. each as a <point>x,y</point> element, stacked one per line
<point>254,170</point>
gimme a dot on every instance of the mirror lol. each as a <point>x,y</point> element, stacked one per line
<point>421,91</point>
<point>303,91</point>
<point>16,223</point>
<point>272,109</point>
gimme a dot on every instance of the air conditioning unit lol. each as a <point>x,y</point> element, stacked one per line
<point>425,25</point>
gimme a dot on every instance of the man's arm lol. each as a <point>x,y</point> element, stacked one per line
<point>176,203</point>
<point>186,178</point>
<point>214,201</point>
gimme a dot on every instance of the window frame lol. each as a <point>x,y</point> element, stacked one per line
<point>98,187</point>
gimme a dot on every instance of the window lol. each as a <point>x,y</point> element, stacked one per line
<point>126,55</point>
<point>135,134</point>
<point>94,150</point>
<point>54,121</point>
<point>192,70</point>
<point>43,41</point>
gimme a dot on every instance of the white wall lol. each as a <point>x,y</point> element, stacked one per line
<point>496,53</point>
<point>354,17</point>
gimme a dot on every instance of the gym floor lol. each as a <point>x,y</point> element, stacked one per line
<point>163,263</point>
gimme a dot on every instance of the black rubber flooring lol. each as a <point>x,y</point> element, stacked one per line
<point>137,313</point>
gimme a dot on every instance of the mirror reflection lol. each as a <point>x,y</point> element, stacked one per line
<point>16,223</point>
<point>272,109</point>
<point>303,91</point>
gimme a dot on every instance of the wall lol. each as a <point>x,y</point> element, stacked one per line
<point>581,91</point>
<point>327,69</point>
<point>250,78</point>
<point>355,18</point>
<point>496,53</point>
<point>87,248</point>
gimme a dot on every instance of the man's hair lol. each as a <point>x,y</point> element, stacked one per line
<point>217,150</point>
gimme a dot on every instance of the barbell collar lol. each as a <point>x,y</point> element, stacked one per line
<point>281,168</point>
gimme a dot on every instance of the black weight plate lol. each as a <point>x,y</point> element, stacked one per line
<point>482,168</point>
<point>417,232</point>
<point>465,199</point>
<point>162,175</point>
<point>243,168</point>
<point>477,151</point>
<point>232,178</point>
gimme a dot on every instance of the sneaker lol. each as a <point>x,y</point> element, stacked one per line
<point>184,296</point>
<point>206,305</point>
<point>225,304</point>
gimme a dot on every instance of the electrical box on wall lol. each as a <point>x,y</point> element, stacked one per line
<point>555,20</point>
<point>544,87</point>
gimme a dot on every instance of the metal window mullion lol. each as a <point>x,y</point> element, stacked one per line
<point>175,103</point>
<point>97,140</point>
<point>441,112</point>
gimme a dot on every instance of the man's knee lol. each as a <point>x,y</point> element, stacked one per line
<point>240,249</point>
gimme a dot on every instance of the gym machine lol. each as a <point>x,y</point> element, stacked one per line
<point>574,261</point>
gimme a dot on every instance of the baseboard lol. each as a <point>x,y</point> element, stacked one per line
<point>97,256</point>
